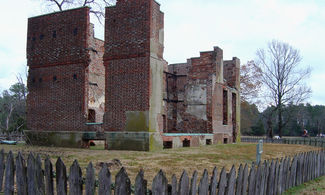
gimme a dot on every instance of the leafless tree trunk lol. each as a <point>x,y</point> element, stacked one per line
<point>282,76</point>
<point>11,109</point>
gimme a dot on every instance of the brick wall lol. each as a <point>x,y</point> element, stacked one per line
<point>132,30</point>
<point>57,57</point>
<point>55,97</point>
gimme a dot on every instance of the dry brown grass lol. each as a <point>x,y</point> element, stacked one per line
<point>171,161</point>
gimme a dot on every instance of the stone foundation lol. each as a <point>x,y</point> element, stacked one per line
<point>138,141</point>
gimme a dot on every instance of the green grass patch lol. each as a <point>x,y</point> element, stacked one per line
<point>316,186</point>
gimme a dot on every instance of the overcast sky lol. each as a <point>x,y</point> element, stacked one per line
<point>239,27</point>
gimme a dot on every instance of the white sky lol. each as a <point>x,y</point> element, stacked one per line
<point>239,27</point>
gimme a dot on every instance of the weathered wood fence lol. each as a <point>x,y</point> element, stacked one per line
<point>268,177</point>
<point>318,142</point>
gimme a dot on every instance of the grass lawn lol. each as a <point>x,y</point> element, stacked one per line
<point>315,187</point>
<point>171,161</point>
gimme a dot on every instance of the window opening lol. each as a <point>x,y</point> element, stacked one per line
<point>225,107</point>
<point>54,34</point>
<point>75,31</point>
<point>91,116</point>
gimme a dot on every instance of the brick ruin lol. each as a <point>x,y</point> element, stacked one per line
<point>121,90</point>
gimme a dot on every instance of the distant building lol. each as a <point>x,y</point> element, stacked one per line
<point>121,90</point>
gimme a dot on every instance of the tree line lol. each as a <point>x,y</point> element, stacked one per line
<point>296,118</point>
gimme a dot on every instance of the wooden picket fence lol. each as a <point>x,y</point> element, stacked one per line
<point>268,177</point>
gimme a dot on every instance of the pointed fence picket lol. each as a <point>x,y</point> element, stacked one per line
<point>268,177</point>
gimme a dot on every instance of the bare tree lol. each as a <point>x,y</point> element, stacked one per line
<point>97,6</point>
<point>282,77</point>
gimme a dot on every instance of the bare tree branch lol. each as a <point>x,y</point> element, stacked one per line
<point>97,7</point>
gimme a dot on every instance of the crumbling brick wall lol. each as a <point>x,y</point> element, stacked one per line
<point>192,110</point>
<point>58,57</point>
<point>202,95</point>
<point>133,47</point>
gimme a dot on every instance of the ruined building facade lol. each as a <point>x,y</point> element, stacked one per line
<point>121,90</point>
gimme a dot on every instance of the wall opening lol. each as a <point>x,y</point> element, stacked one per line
<point>168,144</point>
<point>225,107</point>
<point>91,116</point>
<point>186,143</point>
<point>208,141</point>
<point>97,144</point>
<point>234,114</point>
<point>92,143</point>
<point>164,123</point>
<point>225,140</point>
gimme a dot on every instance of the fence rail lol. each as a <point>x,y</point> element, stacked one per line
<point>268,177</point>
<point>318,142</point>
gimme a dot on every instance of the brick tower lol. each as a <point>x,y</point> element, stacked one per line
<point>134,69</point>
<point>62,56</point>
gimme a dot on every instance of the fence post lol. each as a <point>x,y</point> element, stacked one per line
<point>214,181</point>
<point>276,176</point>
<point>2,168</point>
<point>258,179</point>
<point>159,185</point>
<point>265,176</point>
<point>259,151</point>
<point>39,175</point>
<point>222,182</point>
<point>90,179</point>
<point>251,180</point>
<point>31,180</point>
<point>183,187</point>
<point>48,176</point>
<point>245,180</point>
<point>75,179</point>
<point>280,177</point>
<point>239,182</point>
<point>105,182</point>
<point>270,185</point>
<point>231,181</point>
<point>61,177</point>
<point>204,183</point>
<point>298,170</point>
<point>174,186</point>
<point>21,177</point>
<point>193,183</point>
<point>9,177</point>
<point>293,173</point>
